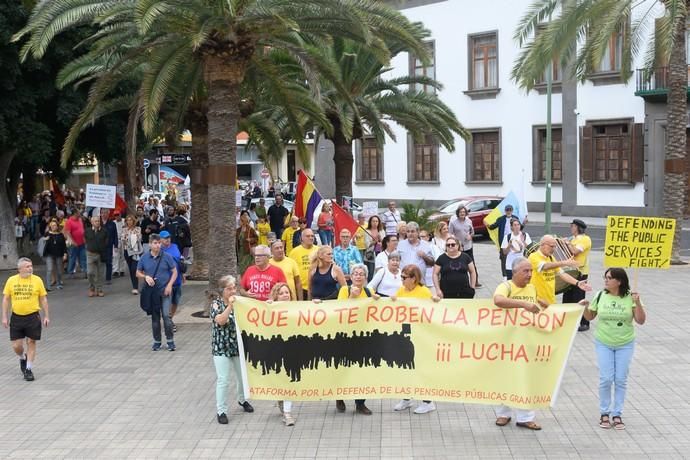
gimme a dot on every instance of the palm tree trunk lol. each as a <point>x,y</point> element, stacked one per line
<point>344,160</point>
<point>131,187</point>
<point>675,174</point>
<point>224,74</point>
<point>8,243</point>
<point>198,125</point>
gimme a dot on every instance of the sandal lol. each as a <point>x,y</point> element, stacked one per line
<point>503,421</point>
<point>605,422</point>
<point>529,425</point>
<point>618,423</point>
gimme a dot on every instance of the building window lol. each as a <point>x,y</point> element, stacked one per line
<point>417,68</point>
<point>370,161</point>
<point>556,72</point>
<point>612,152</point>
<point>539,169</point>
<point>483,53</point>
<point>423,161</point>
<point>484,156</point>
<point>612,60</point>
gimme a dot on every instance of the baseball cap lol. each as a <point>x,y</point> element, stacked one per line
<point>165,234</point>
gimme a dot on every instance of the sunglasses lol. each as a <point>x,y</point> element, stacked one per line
<point>451,245</point>
<point>406,276</point>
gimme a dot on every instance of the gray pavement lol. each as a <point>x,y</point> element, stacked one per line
<point>100,392</point>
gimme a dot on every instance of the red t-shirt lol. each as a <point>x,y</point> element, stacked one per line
<point>75,228</point>
<point>260,282</point>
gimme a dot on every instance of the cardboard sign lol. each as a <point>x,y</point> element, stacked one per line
<point>370,208</point>
<point>641,242</point>
<point>100,196</point>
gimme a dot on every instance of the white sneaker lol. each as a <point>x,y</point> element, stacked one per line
<point>425,408</point>
<point>402,405</point>
<point>288,419</point>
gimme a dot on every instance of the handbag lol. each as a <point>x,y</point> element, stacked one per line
<point>41,248</point>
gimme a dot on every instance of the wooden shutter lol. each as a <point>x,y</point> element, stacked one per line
<point>586,155</point>
<point>637,154</point>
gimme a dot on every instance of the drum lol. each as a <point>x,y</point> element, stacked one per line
<point>561,252</point>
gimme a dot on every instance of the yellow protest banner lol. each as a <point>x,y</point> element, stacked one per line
<point>641,242</point>
<point>452,350</point>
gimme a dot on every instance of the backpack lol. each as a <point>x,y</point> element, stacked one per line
<point>182,234</point>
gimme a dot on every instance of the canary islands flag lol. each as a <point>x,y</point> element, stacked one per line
<point>307,198</point>
<point>519,211</point>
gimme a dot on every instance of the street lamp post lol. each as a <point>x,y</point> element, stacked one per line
<point>549,150</point>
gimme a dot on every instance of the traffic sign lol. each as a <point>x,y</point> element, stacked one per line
<point>147,163</point>
<point>265,173</point>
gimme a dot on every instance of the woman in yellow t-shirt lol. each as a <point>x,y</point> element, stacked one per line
<point>413,286</point>
<point>263,229</point>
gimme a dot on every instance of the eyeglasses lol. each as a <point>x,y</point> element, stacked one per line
<point>450,245</point>
<point>404,277</point>
<point>308,236</point>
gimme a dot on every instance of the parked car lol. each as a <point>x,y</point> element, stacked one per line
<point>478,206</point>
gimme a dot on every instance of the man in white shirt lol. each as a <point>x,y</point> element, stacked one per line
<point>391,219</point>
<point>415,251</point>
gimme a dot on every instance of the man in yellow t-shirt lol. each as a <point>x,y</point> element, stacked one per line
<point>289,233</point>
<point>545,268</point>
<point>517,293</point>
<point>288,266</point>
<point>27,295</point>
<point>580,244</point>
<point>302,254</point>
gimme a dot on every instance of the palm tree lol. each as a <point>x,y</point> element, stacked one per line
<point>224,38</point>
<point>371,101</point>
<point>591,23</point>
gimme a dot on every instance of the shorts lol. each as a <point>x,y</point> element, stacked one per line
<point>176,295</point>
<point>25,326</point>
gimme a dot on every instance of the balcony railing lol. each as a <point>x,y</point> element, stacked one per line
<point>654,80</point>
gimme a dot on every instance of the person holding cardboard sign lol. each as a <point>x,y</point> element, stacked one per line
<point>546,268</point>
<point>616,306</point>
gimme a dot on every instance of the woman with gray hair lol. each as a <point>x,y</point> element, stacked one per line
<point>387,281</point>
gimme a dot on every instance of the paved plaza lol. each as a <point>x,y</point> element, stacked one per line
<point>100,392</point>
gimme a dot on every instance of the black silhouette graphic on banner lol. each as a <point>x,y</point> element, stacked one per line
<point>301,352</point>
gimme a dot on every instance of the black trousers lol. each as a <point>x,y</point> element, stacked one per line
<point>574,295</point>
<point>470,252</point>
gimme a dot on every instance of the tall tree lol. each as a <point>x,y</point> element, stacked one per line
<point>371,101</point>
<point>225,37</point>
<point>590,24</point>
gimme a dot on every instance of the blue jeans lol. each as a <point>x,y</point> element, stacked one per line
<point>326,237</point>
<point>167,322</point>
<point>77,252</point>
<point>614,364</point>
<point>224,364</point>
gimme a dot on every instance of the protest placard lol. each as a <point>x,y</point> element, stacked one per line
<point>370,208</point>
<point>452,350</point>
<point>100,196</point>
<point>640,242</point>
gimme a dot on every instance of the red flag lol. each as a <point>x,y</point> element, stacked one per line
<point>342,219</point>
<point>57,193</point>
<point>120,205</point>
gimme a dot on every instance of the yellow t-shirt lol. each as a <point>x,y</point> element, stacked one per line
<point>419,292</point>
<point>25,293</point>
<point>288,233</point>
<point>544,280</point>
<point>263,231</point>
<point>511,291</point>
<point>583,242</point>
<point>302,256</point>
<point>344,293</point>
<point>361,238</point>
<point>290,270</point>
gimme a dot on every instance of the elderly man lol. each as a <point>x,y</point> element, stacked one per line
<point>109,225</point>
<point>74,235</point>
<point>415,251</point>
<point>119,261</point>
<point>580,244</point>
<point>346,255</point>
<point>289,233</point>
<point>259,279</point>
<point>159,271</point>
<point>97,247</point>
<point>503,225</point>
<point>546,268</point>
<point>517,293</point>
<point>288,266</point>
<point>302,254</point>
<point>391,219</point>
<point>27,295</point>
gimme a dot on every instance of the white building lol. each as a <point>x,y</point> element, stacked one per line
<point>598,140</point>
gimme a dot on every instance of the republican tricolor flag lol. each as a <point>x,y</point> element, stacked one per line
<point>307,198</point>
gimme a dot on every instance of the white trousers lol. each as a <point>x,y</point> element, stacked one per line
<point>522,415</point>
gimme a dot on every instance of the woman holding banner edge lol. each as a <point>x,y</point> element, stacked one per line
<point>616,306</point>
